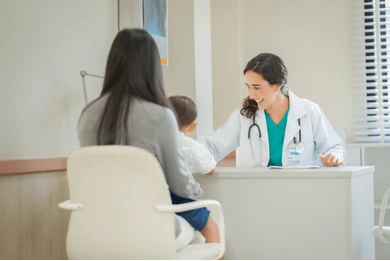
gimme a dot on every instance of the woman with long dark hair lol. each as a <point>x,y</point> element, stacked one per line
<point>133,109</point>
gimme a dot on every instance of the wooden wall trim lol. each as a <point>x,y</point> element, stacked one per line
<point>231,155</point>
<point>11,167</point>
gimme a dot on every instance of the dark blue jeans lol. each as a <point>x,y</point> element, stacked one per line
<point>197,217</point>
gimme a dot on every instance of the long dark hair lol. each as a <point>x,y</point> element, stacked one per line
<point>273,70</point>
<point>133,70</point>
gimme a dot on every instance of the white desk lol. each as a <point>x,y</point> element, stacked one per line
<point>323,213</point>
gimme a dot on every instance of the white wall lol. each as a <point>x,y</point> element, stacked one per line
<point>44,44</point>
<point>226,52</point>
<point>179,76</point>
<point>311,36</point>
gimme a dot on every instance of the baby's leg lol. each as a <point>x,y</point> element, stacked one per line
<point>199,219</point>
<point>211,232</point>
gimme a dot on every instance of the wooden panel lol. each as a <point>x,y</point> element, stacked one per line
<point>227,162</point>
<point>31,224</point>
<point>10,167</point>
<point>231,155</point>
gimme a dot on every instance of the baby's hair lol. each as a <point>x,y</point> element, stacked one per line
<point>184,108</point>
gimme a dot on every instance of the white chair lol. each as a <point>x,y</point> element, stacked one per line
<point>121,209</point>
<point>380,231</point>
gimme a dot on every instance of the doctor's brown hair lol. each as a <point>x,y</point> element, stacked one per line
<point>184,108</point>
<point>273,70</point>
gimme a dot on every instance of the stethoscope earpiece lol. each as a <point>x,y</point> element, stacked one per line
<point>299,148</point>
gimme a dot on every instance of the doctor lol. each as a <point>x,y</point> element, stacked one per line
<point>274,127</point>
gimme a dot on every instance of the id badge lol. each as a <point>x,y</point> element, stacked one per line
<point>293,156</point>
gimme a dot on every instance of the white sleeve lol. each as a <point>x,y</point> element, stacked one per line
<point>198,158</point>
<point>326,138</point>
<point>226,138</point>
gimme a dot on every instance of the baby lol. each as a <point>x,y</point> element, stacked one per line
<point>198,161</point>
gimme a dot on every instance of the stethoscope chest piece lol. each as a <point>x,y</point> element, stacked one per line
<point>300,148</point>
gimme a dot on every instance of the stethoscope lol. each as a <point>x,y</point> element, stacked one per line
<point>297,140</point>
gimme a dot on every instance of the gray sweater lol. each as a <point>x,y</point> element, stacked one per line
<point>150,127</point>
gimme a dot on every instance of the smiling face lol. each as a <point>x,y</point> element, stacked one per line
<point>260,90</point>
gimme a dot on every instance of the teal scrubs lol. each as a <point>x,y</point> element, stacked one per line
<point>276,139</point>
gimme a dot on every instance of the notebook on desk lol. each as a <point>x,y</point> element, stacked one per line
<point>294,167</point>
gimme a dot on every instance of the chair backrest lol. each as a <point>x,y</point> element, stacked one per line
<point>118,187</point>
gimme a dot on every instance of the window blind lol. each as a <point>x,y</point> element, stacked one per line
<point>370,47</point>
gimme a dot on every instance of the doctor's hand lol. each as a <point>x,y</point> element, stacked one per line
<point>330,160</point>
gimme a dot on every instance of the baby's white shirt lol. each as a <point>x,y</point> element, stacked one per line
<point>197,157</point>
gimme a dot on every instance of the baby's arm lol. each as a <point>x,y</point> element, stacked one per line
<point>198,158</point>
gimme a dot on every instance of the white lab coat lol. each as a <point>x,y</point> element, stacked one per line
<point>318,136</point>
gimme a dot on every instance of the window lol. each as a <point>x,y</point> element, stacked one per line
<point>370,34</point>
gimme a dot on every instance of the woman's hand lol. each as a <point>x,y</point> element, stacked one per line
<point>330,160</point>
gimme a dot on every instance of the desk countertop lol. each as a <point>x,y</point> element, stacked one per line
<point>262,172</point>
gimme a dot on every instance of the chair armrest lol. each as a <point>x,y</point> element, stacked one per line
<point>382,216</point>
<point>70,206</point>
<point>187,206</point>
<point>200,204</point>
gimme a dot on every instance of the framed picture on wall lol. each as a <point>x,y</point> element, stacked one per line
<point>152,16</point>
<point>155,22</point>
